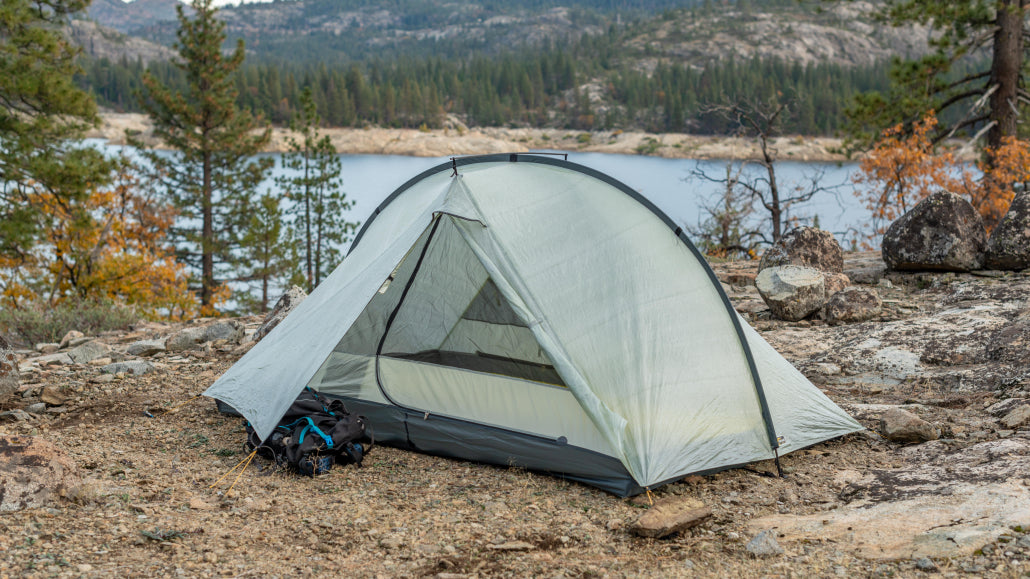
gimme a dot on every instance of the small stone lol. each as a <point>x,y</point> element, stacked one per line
<point>51,396</point>
<point>47,347</point>
<point>101,362</point>
<point>231,331</point>
<point>791,292</point>
<point>512,546</point>
<point>71,335</point>
<point>102,379</point>
<point>764,545</point>
<point>1018,417</point>
<point>88,351</point>
<point>135,367</point>
<point>853,304</point>
<point>76,342</point>
<point>57,410</point>
<point>84,567</point>
<point>200,505</point>
<point>37,408</point>
<point>669,516</point>
<point>16,415</point>
<point>144,348</point>
<point>901,426</point>
<point>184,340</point>
<point>925,564</point>
<point>58,359</point>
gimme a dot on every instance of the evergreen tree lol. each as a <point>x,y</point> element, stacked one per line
<point>267,250</point>
<point>315,187</point>
<point>966,91</point>
<point>40,109</point>
<point>211,173</point>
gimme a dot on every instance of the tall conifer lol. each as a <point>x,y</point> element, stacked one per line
<point>211,173</point>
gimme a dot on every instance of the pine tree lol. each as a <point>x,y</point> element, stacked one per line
<point>315,187</point>
<point>267,250</point>
<point>211,173</point>
<point>40,110</point>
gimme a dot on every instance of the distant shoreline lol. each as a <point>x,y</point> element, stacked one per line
<point>459,140</point>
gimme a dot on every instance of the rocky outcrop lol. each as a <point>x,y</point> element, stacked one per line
<point>790,291</point>
<point>806,247</point>
<point>942,233</point>
<point>287,302</point>
<point>1009,245</point>
<point>34,473</point>
<point>851,305</point>
<point>8,369</point>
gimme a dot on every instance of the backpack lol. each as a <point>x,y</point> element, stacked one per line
<point>313,435</point>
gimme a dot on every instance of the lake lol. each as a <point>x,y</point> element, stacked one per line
<point>369,179</point>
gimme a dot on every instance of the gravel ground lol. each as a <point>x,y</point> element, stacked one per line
<point>151,503</point>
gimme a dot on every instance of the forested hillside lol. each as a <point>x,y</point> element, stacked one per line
<point>618,64</point>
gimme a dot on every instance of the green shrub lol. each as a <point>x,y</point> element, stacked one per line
<point>37,323</point>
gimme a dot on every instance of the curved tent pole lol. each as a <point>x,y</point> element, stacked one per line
<point>456,162</point>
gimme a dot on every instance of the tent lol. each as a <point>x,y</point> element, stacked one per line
<point>524,310</point>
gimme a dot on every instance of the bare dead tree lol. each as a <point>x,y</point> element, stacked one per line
<point>761,121</point>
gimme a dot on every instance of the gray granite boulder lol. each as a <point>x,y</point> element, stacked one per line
<point>229,330</point>
<point>941,233</point>
<point>791,292</point>
<point>806,247</point>
<point>187,339</point>
<point>1009,245</point>
<point>287,302</point>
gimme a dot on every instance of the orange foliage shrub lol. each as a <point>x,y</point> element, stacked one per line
<point>903,169</point>
<point>109,245</point>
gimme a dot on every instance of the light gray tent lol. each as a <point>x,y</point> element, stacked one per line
<point>524,310</point>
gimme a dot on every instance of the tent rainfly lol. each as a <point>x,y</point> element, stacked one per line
<point>524,310</point>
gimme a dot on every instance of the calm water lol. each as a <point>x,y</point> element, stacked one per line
<point>369,179</point>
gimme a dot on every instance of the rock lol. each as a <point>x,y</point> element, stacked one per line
<point>764,545</point>
<point>88,351</point>
<point>901,426</point>
<point>805,247</point>
<point>669,516</point>
<point>853,304</point>
<point>1009,245</point>
<point>16,415</point>
<point>512,546</point>
<point>75,342</point>
<point>51,396</point>
<point>71,335</point>
<point>925,564</point>
<point>58,359</point>
<point>835,282</point>
<point>37,408</point>
<point>287,302</point>
<point>8,369</point>
<point>1005,406</point>
<point>791,292</point>
<point>941,233</point>
<point>230,331</point>
<point>1017,418</point>
<point>47,347</point>
<point>34,473</point>
<point>185,339</point>
<point>145,348</point>
<point>136,367</point>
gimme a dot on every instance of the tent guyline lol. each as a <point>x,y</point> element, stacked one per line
<point>519,309</point>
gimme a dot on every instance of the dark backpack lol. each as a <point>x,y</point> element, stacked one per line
<point>313,435</point>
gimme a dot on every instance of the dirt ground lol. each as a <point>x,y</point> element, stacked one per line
<point>154,503</point>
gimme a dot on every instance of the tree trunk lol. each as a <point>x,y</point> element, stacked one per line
<point>1006,65</point>
<point>207,237</point>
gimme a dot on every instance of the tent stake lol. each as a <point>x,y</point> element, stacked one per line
<point>779,469</point>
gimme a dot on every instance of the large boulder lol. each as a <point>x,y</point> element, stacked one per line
<point>8,369</point>
<point>791,292</point>
<point>287,302</point>
<point>34,473</point>
<point>1009,246</point>
<point>806,247</point>
<point>941,233</point>
<point>852,304</point>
